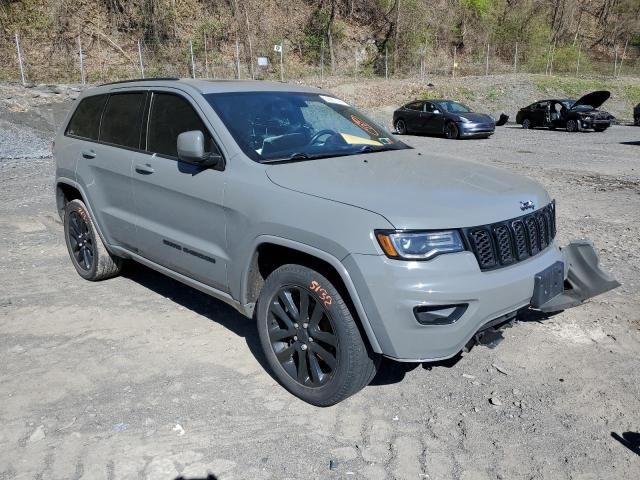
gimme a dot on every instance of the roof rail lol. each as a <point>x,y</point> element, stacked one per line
<point>139,80</point>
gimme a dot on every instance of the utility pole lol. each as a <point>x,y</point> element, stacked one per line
<point>515,60</point>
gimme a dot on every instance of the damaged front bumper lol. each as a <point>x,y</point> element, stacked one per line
<point>583,280</point>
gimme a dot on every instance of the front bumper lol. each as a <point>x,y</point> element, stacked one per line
<point>391,289</point>
<point>476,129</point>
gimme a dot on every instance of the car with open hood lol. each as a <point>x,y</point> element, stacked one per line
<point>343,243</point>
<point>573,115</point>
<point>442,117</point>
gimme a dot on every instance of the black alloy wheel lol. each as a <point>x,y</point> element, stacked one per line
<point>451,130</point>
<point>89,256</point>
<point>81,241</point>
<point>303,336</point>
<point>401,127</point>
<point>526,124</point>
<point>572,126</point>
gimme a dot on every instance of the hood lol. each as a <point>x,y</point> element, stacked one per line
<point>593,99</point>
<point>475,117</point>
<point>413,189</point>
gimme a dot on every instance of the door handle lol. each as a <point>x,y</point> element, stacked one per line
<point>145,169</point>
<point>89,154</point>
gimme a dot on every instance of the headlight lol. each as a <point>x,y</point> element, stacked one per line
<point>419,245</point>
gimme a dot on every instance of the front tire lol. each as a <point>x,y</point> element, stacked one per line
<point>572,126</point>
<point>401,127</point>
<point>310,339</point>
<point>88,254</point>
<point>526,124</point>
<point>451,131</point>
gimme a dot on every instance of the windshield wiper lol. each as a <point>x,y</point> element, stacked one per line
<point>300,156</point>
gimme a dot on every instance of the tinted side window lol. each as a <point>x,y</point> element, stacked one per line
<point>429,107</point>
<point>415,106</point>
<point>121,119</point>
<point>170,116</point>
<point>85,121</point>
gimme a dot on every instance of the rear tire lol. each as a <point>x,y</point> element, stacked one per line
<point>572,126</point>
<point>88,254</point>
<point>526,124</point>
<point>401,127</point>
<point>451,131</point>
<point>310,339</point>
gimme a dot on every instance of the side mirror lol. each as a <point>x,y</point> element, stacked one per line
<point>191,149</point>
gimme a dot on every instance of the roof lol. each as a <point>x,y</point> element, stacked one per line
<point>206,86</point>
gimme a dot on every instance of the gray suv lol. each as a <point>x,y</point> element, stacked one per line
<point>343,243</point>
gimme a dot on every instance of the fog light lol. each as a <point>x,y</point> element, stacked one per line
<point>439,314</point>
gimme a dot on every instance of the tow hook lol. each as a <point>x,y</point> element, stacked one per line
<point>584,278</point>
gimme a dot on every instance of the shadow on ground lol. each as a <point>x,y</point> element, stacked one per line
<point>200,303</point>
<point>208,477</point>
<point>631,440</point>
<point>390,371</point>
<point>636,143</point>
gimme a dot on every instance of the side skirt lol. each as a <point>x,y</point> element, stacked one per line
<point>214,292</point>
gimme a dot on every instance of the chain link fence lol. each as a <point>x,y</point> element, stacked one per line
<point>95,58</point>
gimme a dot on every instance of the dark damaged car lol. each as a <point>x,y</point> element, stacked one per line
<point>442,117</point>
<point>573,115</point>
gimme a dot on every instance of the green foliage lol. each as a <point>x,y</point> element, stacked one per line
<point>570,87</point>
<point>479,7</point>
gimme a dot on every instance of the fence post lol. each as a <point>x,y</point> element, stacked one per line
<point>386,62</point>
<point>20,59</point>
<point>206,57</point>
<point>515,60</point>
<point>455,51</point>
<point>193,63</point>
<point>322,61</point>
<point>578,59</point>
<point>624,52</point>
<point>238,56</point>
<point>355,56</point>
<point>282,60</point>
<point>615,62</point>
<point>486,70</point>
<point>81,61</point>
<point>140,59</point>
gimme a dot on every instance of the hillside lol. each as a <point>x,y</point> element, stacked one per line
<point>399,38</point>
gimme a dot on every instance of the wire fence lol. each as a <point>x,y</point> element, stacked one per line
<point>94,58</point>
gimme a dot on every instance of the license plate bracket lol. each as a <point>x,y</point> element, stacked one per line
<point>547,284</point>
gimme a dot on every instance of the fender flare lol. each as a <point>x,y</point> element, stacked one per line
<point>322,255</point>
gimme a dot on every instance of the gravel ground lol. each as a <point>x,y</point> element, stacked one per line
<point>142,377</point>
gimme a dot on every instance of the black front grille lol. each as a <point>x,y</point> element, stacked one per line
<point>504,243</point>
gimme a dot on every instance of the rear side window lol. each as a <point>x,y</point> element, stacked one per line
<point>85,121</point>
<point>170,116</point>
<point>122,118</point>
<point>415,106</point>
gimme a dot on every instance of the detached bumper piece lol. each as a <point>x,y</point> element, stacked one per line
<point>584,278</point>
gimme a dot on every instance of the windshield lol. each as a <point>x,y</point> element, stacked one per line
<point>271,126</point>
<point>453,107</point>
